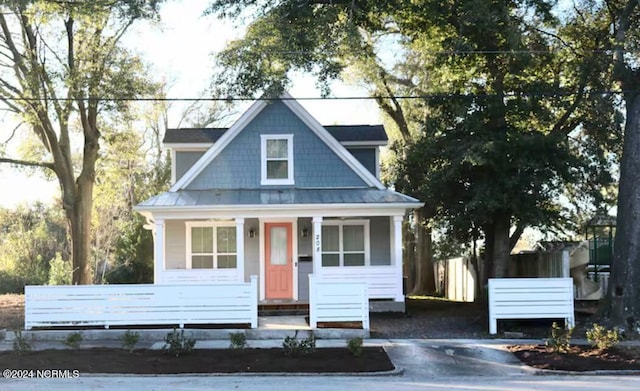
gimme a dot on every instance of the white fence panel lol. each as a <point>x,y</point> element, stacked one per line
<point>383,282</point>
<point>337,301</point>
<point>141,304</point>
<point>530,298</point>
<point>199,276</point>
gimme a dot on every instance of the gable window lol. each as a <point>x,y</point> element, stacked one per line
<point>211,246</point>
<point>276,159</point>
<point>345,243</point>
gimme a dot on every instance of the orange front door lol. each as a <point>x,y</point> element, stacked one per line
<point>279,261</point>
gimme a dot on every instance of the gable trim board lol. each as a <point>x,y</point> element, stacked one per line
<point>304,116</point>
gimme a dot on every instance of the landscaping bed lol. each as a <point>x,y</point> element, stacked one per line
<point>579,358</point>
<point>103,360</point>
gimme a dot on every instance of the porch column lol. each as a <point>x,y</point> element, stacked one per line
<point>317,244</point>
<point>240,248</point>
<point>397,254</point>
<point>158,251</point>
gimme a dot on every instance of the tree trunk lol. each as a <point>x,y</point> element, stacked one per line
<point>501,246</point>
<point>425,282</point>
<point>80,220</point>
<point>624,285</point>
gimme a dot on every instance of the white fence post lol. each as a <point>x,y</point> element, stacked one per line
<point>254,300</point>
<point>313,319</point>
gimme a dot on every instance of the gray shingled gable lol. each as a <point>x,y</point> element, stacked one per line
<point>342,133</point>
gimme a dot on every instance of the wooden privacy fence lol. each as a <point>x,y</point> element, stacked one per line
<point>530,298</point>
<point>539,264</point>
<point>337,301</point>
<point>141,304</point>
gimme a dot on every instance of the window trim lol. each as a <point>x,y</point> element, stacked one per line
<point>263,159</point>
<point>341,252</point>
<point>208,224</point>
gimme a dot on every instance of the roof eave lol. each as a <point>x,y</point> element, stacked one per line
<point>186,208</point>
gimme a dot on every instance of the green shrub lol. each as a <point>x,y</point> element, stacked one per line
<point>177,344</point>
<point>238,340</point>
<point>60,271</point>
<point>355,346</point>
<point>129,340</point>
<point>601,337</point>
<point>20,344</point>
<point>73,340</point>
<point>560,339</point>
<point>293,347</point>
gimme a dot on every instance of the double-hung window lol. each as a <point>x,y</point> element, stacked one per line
<point>211,246</point>
<point>345,243</point>
<point>276,152</point>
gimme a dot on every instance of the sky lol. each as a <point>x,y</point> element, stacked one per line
<point>179,50</point>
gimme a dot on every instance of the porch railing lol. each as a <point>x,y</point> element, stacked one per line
<point>141,304</point>
<point>337,301</point>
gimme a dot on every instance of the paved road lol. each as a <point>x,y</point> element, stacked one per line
<point>428,365</point>
<point>321,383</point>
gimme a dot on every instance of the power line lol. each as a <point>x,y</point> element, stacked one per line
<point>329,98</point>
<point>471,51</point>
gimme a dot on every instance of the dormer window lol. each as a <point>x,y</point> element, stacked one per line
<point>276,159</point>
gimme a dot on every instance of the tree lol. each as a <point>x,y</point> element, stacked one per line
<point>64,68</point>
<point>622,20</point>
<point>133,167</point>
<point>31,237</point>
<point>497,91</point>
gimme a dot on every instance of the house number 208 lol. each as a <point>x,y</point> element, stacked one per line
<point>318,243</point>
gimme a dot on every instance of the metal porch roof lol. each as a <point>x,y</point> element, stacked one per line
<point>284,196</point>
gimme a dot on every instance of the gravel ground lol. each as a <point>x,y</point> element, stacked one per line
<point>441,319</point>
<point>432,319</point>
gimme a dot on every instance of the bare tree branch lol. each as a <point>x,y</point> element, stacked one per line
<point>28,163</point>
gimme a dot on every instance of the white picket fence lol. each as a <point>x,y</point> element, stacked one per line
<point>141,304</point>
<point>530,298</point>
<point>337,301</point>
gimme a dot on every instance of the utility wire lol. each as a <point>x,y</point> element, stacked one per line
<point>329,98</point>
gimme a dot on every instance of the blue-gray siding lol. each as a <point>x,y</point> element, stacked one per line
<point>238,165</point>
<point>184,161</point>
<point>251,250</point>
<point>367,157</point>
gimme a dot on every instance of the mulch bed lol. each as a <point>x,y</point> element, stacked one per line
<point>579,358</point>
<point>102,360</point>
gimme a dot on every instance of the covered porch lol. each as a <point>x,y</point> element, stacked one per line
<point>282,250</point>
